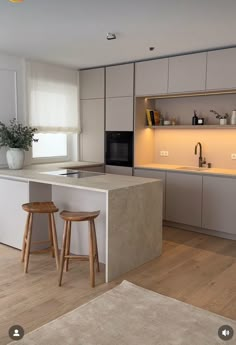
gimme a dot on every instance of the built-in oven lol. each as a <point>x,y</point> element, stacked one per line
<point>119,148</point>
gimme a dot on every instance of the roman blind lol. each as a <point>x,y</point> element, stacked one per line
<point>52,98</point>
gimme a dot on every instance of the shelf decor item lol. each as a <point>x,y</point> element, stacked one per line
<point>150,117</point>
<point>18,139</point>
<point>233,118</point>
<point>222,118</point>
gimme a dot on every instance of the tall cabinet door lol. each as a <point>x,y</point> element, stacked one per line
<point>92,136</point>
<point>92,83</point>
<point>92,115</point>
<point>187,73</point>
<point>151,77</point>
<point>183,198</point>
<point>119,97</point>
<point>120,81</point>
<point>221,70</point>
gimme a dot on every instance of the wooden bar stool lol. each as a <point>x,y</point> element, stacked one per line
<point>39,207</point>
<point>93,250</point>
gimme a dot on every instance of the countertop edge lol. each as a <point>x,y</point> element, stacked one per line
<point>209,172</point>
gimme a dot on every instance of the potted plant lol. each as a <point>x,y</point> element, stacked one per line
<point>17,138</point>
<point>222,118</point>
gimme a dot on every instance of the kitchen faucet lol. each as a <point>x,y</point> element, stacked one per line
<point>200,160</point>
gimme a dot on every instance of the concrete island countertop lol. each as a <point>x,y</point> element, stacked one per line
<point>103,182</point>
<point>189,169</point>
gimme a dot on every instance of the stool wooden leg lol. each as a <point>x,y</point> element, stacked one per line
<point>95,246</point>
<point>28,242</point>
<point>50,235</point>
<point>25,237</point>
<point>91,254</point>
<point>63,249</point>
<point>68,237</point>
<point>54,239</point>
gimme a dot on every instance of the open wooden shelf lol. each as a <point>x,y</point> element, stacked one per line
<point>193,127</point>
<point>192,94</point>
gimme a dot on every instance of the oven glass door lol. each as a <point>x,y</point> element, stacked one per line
<point>119,148</point>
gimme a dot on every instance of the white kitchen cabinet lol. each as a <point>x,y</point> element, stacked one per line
<point>221,69</point>
<point>119,114</point>
<point>160,175</point>
<point>183,198</point>
<point>151,77</point>
<point>92,134</point>
<point>12,219</point>
<point>120,80</point>
<point>118,170</point>
<point>92,83</point>
<point>187,73</point>
<point>218,208</point>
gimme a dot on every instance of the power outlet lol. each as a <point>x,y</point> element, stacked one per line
<point>233,155</point>
<point>164,153</point>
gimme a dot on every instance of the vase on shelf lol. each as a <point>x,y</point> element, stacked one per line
<point>223,121</point>
<point>15,158</point>
<point>233,118</point>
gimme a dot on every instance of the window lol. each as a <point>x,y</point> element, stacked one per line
<point>50,145</point>
<point>53,109</point>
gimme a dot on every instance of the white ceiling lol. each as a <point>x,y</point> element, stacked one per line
<point>73,32</point>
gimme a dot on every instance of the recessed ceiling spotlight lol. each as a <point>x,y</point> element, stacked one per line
<point>111,36</point>
<point>151,48</point>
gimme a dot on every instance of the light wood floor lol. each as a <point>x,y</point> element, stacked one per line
<point>194,268</point>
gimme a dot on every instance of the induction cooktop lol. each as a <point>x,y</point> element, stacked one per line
<point>73,173</point>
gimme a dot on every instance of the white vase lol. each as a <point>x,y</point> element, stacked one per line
<point>15,158</point>
<point>223,121</point>
<point>233,118</point>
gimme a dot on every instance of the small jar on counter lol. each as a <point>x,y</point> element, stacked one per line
<point>200,121</point>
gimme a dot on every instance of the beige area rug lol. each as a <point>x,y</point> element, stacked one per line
<point>131,315</point>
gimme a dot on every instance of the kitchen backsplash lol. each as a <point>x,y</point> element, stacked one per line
<point>217,146</point>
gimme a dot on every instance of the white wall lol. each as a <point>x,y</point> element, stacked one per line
<point>16,65</point>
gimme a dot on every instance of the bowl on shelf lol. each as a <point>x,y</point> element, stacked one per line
<point>167,123</point>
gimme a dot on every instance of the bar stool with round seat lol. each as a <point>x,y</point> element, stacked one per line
<point>93,250</point>
<point>33,208</point>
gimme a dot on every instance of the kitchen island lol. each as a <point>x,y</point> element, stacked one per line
<point>129,228</point>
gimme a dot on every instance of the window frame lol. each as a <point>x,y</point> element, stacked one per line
<point>72,152</point>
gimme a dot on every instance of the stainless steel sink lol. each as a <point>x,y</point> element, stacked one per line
<point>192,168</point>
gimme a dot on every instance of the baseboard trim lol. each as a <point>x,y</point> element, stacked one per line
<point>201,230</point>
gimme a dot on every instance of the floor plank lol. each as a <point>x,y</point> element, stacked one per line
<point>195,268</point>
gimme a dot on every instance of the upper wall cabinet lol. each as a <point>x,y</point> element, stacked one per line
<point>187,73</point>
<point>92,83</point>
<point>221,69</point>
<point>119,114</point>
<point>120,80</point>
<point>151,77</point>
